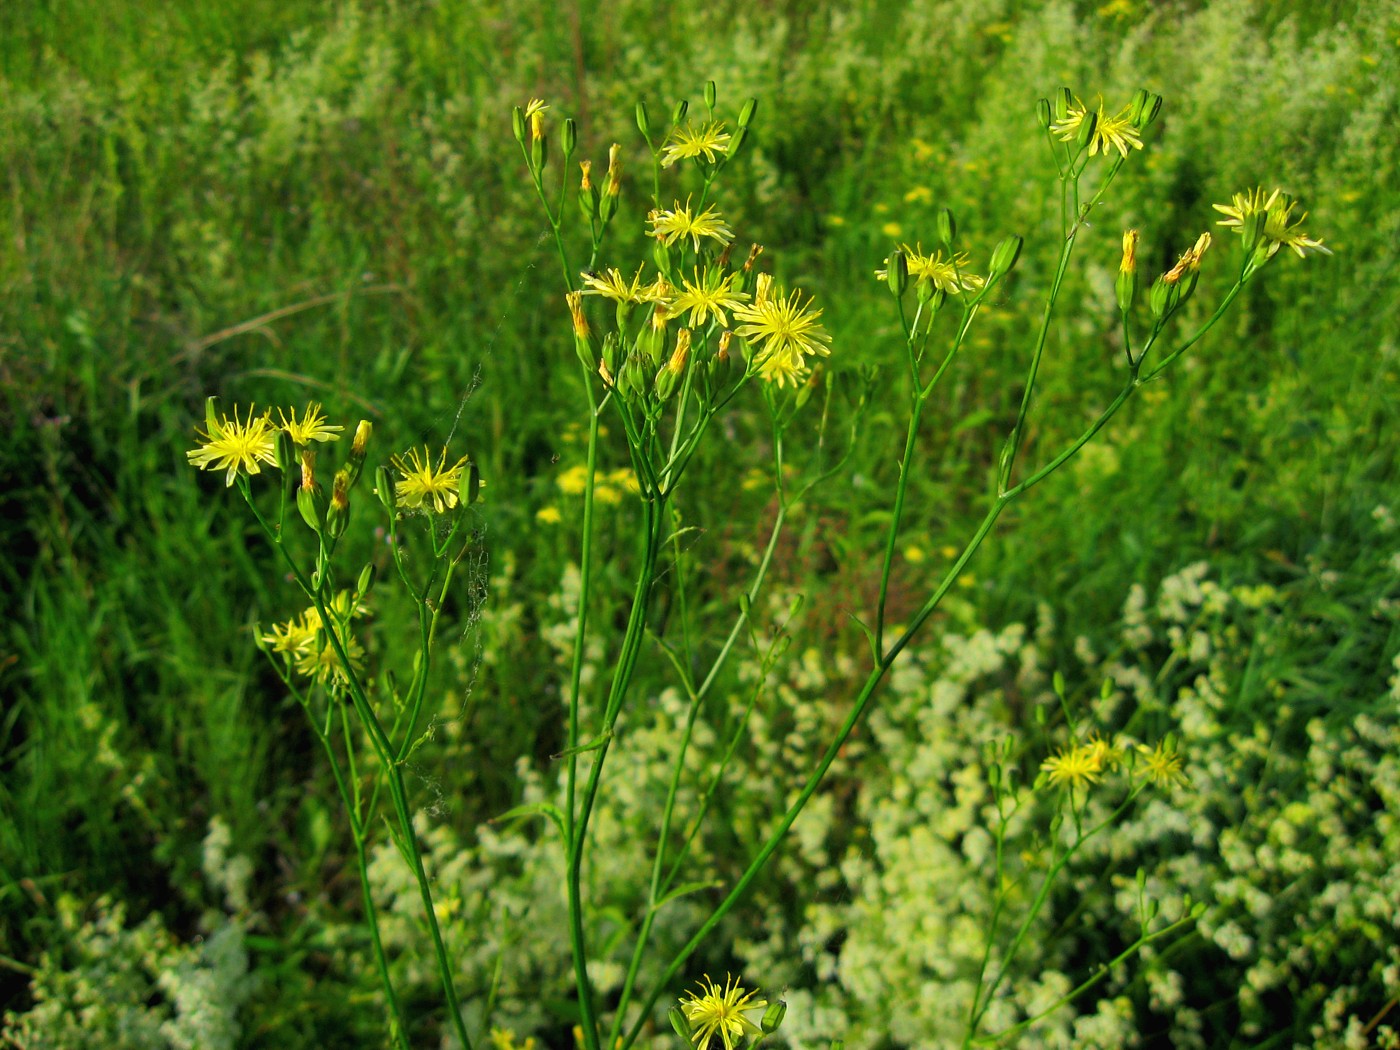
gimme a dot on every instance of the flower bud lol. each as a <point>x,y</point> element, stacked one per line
<point>338,514</point>
<point>1252,229</point>
<point>286,452</point>
<point>746,114</point>
<point>309,505</point>
<point>384,488</point>
<point>679,1023</point>
<point>211,416</point>
<point>897,273</point>
<point>570,137</point>
<point>773,1017</point>
<point>1087,126</point>
<point>539,147</point>
<point>365,582</point>
<point>308,469</point>
<point>1042,112</point>
<point>947,228</point>
<point>1004,257</point>
<point>611,347</point>
<point>643,121</point>
<point>469,485</point>
<point>359,448</point>
<point>668,379</point>
<point>1163,298</point>
<point>1060,103</point>
<point>614,184</point>
<point>1136,105</point>
<point>587,195</point>
<point>736,141</point>
<point>678,114</point>
<point>710,94</point>
<point>722,354</point>
<point>1151,106</point>
<point>517,124</point>
<point>1126,285</point>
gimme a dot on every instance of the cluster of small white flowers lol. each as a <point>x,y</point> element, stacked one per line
<point>228,872</point>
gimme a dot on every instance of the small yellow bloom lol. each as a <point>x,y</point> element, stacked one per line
<point>548,516</point>
<point>721,1012</point>
<point>788,331</point>
<point>424,483</point>
<point>626,479</point>
<point>1130,242</point>
<point>534,113</point>
<point>1074,766</point>
<point>680,222</point>
<point>1117,132</point>
<point>915,555</point>
<point>237,445</point>
<point>1162,765</point>
<point>951,275</point>
<point>709,140</point>
<point>892,229</point>
<point>313,426</point>
<point>919,194</point>
<point>1280,229</point>
<point>712,293</point>
<point>1190,260</point>
<point>835,220</point>
<point>612,285</point>
<point>573,481</point>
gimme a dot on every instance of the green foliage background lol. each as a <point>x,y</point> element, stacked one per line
<point>168,175</point>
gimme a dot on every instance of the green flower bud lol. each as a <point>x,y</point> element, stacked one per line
<point>309,504</point>
<point>1125,289</point>
<point>469,485</point>
<point>897,273</point>
<point>365,582</point>
<point>517,124</point>
<point>1004,257</point>
<point>677,1018</point>
<point>773,1017</point>
<point>384,488</point>
<point>1087,126</point>
<point>1252,230</point>
<point>359,448</point>
<point>747,113</point>
<point>678,114</point>
<point>539,152</point>
<point>710,94</point>
<point>338,514</point>
<point>643,121</point>
<point>1042,112</point>
<point>286,452</point>
<point>947,228</point>
<point>737,140</point>
<point>211,415</point>
<point>1163,298</point>
<point>1151,106</point>
<point>1060,103</point>
<point>611,347</point>
<point>1135,107</point>
<point>570,137</point>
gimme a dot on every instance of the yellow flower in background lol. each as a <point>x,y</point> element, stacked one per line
<point>312,427</point>
<point>681,222</point>
<point>708,140</point>
<point>423,483</point>
<point>919,194</point>
<point>1117,132</point>
<point>1162,764</point>
<point>711,294</point>
<point>1280,230</point>
<point>626,479</point>
<point>573,481</point>
<point>892,229</point>
<point>1074,766</point>
<point>549,516</point>
<point>321,663</point>
<point>951,274</point>
<point>235,445</point>
<point>721,1012</point>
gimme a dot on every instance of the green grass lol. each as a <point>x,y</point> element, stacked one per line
<point>171,175</point>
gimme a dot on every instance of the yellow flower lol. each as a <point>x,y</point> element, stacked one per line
<point>1280,231</point>
<point>548,516</point>
<point>573,481</point>
<point>626,479</point>
<point>1162,765</point>
<point>892,229</point>
<point>713,293</point>
<point>787,329</point>
<point>321,663</point>
<point>707,140</point>
<point>534,113</point>
<point>1117,132</point>
<point>720,1012</point>
<point>424,483</point>
<point>951,275</point>
<point>680,223</point>
<point>1074,766</point>
<point>313,426</point>
<point>237,445</point>
<point>921,194</point>
<point>612,285</point>
<point>1190,260</point>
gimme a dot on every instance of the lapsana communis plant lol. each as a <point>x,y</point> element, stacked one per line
<point>666,345</point>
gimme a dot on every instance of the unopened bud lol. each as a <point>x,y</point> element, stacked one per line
<point>575,301</point>
<point>1088,124</point>
<point>365,582</point>
<point>746,113</point>
<point>710,94</point>
<point>773,1017</point>
<point>1042,112</point>
<point>587,195</point>
<point>897,273</point>
<point>1252,230</point>
<point>722,353</point>
<point>1060,103</point>
<point>736,141</point>
<point>570,137</point>
<point>286,452</point>
<point>1126,285</point>
<point>539,147</point>
<point>359,448</point>
<point>754,252</point>
<point>643,121</point>
<point>384,488</point>
<point>469,485</point>
<point>1163,298</point>
<point>338,515</point>
<point>678,114</point>
<point>679,1023</point>
<point>1004,257</point>
<point>309,504</point>
<point>211,416</point>
<point>1151,106</point>
<point>517,124</point>
<point>308,469</point>
<point>947,228</point>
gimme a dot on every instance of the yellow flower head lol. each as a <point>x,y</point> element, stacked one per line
<point>237,445</point>
<point>708,140</point>
<point>1190,260</point>
<point>1130,242</point>
<point>612,285</point>
<point>787,330</point>
<point>951,275</point>
<point>712,293</point>
<point>1280,230</point>
<point>1162,764</point>
<point>1074,766</point>
<point>534,113</point>
<point>720,1012</point>
<point>1117,132</point>
<point>422,483</point>
<point>312,427</point>
<point>680,223</point>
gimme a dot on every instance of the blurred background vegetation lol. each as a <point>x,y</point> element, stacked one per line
<point>305,200</point>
